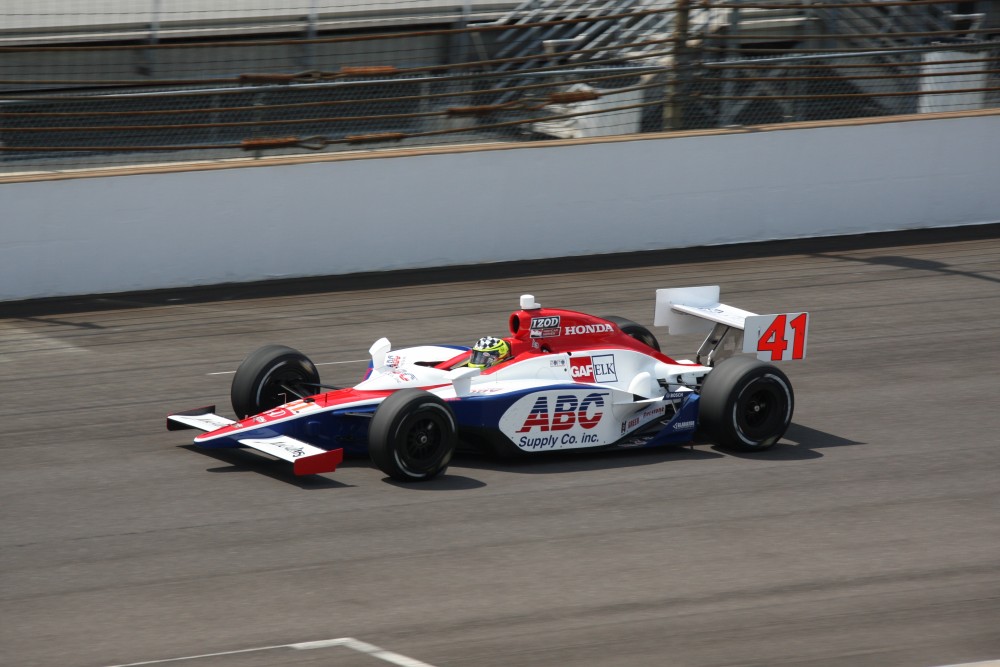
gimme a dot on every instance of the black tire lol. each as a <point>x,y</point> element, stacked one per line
<point>637,331</point>
<point>745,405</point>
<point>412,436</point>
<point>260,381</point>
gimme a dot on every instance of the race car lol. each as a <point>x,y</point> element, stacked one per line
<point>568,381</point>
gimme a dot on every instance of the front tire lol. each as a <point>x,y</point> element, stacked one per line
<point>745,405</point>
<point>264,378</point>
<point>412,436</point>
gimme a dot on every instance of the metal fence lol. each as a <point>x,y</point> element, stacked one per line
<point>189,81</point>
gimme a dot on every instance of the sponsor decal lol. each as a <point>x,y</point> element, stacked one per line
<point>299,406</point>
<point>277,413</point>
<point>655,411</point>
<point>604,368</point>
<point>393,360</point>
<point>545,333</point>
<point>643,417</point>
<point>582,369</point>
<point>557,363</point>
<point>403,376</point>
<point>260,420</point>
<point>291,449</point>
<point>545,322</point>
<point>545,327</point>
<point>587,329</point>
<point>566,412</point>
<point>598,368</point>
<point>556,441</point>
<point>684,426</point>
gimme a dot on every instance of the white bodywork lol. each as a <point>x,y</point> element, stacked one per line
<point>686,310</point>
<point>597,396</point>
<point>283,447</point>
<point>203,422</point>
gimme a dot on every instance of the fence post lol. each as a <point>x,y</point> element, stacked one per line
<point>673,110</point>
<point>146,64</point>
<point>312,32</point>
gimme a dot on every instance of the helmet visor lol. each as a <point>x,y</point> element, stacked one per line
<point>484,358</point>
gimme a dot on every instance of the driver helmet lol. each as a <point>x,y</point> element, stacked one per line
<point>488,351</point>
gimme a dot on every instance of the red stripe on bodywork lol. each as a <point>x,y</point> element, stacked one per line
<point>341,396</point>
<point>454,362</point>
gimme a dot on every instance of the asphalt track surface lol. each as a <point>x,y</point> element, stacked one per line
<point>869,536</point>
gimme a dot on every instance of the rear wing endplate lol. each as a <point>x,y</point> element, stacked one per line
<point>687,310</point>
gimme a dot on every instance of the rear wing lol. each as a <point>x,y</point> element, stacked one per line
<point>687,310</point>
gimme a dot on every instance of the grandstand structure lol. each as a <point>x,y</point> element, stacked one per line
<point>111,82</point>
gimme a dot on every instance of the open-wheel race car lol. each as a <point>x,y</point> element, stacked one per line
<point>566,381</point>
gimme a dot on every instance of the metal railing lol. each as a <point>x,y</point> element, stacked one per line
<point>641,67</point>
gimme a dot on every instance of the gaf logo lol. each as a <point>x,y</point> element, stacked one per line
<point>582,369</point>
<point>544,322</point>
<point>599,368</point>
<point>567,411</point>
<point>588,329</point>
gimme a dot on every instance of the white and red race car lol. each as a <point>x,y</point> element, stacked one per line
<point>573,382</point>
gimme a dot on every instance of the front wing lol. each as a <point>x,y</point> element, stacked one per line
<point>305,458</point>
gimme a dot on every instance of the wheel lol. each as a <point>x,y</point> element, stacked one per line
<point>412,436</point>
<point>745,404</point>
<point>264,378</point>
<point>637,331</point>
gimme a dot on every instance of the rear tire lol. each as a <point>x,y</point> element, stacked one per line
<point>412,436</point>
<point>257,385</point>
<point>637,331</point>
<point>745,405</point>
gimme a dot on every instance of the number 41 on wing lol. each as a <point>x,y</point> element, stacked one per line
<point>776,337</point>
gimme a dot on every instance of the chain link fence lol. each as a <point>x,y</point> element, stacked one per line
<point>110,84</point>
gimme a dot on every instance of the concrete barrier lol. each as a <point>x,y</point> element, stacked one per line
<point>163,230</point>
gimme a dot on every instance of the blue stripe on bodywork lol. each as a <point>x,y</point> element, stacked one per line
<point>681,427</point>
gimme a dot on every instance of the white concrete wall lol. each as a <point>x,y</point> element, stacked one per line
<point>111,234</point>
